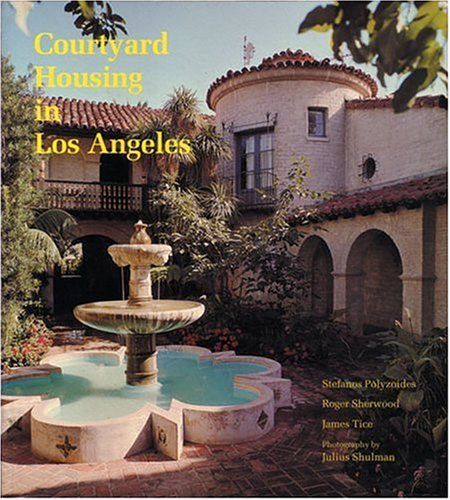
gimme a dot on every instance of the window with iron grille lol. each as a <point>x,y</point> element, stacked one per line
<point>255,161</point>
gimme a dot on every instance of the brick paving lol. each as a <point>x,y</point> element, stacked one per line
<point>285,463</point>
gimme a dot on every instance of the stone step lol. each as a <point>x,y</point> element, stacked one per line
<point>14,411</point>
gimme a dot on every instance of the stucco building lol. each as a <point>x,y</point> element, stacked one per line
<point>377,249</point>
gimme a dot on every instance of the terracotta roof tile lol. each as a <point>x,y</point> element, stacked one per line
<point>427,101</point>
<point>103,116</point>
<point>85,115</point>
<point>289,59</point>
<point>409,194</point>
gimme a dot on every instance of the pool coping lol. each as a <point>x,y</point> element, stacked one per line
<point>224,424</point>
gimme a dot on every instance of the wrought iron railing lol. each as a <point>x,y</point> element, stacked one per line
<point>254,190</point>
<point>103,196</point>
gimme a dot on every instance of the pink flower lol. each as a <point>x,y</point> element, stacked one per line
<point>419,473</point>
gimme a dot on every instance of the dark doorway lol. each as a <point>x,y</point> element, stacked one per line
<point>115,176</point>
<point>97,278</point>
<point>115,168</point>
<point>318,263</point>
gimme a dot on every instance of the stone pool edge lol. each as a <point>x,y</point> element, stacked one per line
<point>165,430</point>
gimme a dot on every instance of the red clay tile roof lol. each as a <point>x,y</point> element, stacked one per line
<point>427,101</point>
<point>100,116</point>
<point>289,59</point>
<point>409,194</point>
<point>288,56</point>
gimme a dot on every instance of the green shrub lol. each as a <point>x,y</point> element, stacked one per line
<point>19,257</point>
<point>309,338</point>
<point>216,339</point>
<point>252,328</point>
<point>416,432</point>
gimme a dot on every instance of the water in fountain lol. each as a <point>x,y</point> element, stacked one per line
<point>92,387</point>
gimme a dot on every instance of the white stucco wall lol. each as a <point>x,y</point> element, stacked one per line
<point>290,98</point>
<point>413,143</point>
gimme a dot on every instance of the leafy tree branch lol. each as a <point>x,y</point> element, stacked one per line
<point>397,38</point>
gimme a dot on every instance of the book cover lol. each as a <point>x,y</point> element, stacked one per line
<point>224,249</point>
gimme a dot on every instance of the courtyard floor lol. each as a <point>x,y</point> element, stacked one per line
<point>285,463</point>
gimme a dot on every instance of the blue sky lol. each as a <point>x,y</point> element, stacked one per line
<point>205,40</point>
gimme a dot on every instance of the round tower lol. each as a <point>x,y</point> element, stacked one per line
<point>290,105</point>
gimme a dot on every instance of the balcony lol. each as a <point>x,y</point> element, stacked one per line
<point>78,196</point>
<point>259,191</point>
<point>95,196</point>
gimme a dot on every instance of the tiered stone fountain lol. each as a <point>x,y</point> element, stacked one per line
<point>78,409</point>
<point>141,317</point>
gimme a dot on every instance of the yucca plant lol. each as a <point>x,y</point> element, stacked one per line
<point>219,201</point>
<point>182,109</point>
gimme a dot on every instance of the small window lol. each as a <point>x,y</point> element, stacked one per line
<point>316,122</point>
<point>369,167</point>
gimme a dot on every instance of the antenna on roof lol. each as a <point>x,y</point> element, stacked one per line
<point>249,51</point>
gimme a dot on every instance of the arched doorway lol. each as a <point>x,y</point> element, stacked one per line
<point>316,259</point>
<point>373,287</point>
<point>95,278</point>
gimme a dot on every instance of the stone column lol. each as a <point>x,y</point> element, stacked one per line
<point>141,359</point>
<point>418,311</point>
<point>348,295</point>
<point>419,276</point>
<point>339,282</point>
<point>140,285</point>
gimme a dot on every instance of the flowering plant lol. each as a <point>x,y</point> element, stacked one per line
<point>32,344</point>
<point>216,339</point>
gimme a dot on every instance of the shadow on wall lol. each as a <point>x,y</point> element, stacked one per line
<point>373,288</point>
<point>316,259</point>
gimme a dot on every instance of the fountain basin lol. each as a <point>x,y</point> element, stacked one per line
<point>137,418</point>
<point>156,316</point>
<point>140,255</point>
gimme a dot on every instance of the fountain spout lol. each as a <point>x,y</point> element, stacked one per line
<point>140,254</point>
<point>140,235</point>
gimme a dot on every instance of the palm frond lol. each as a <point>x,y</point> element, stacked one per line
<point>45,247</point>
<point>210,146</point>
<point>147,129</point>
<point>58,224</point>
